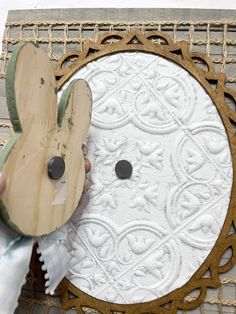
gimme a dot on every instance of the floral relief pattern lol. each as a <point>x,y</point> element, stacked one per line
<point>135,240</point>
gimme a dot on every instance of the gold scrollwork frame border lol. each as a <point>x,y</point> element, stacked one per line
<point>214,83</point>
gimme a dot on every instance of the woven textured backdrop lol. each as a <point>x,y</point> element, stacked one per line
<point>60,31</point>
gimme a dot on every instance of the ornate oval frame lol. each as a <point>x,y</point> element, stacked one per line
<point>214,84</point>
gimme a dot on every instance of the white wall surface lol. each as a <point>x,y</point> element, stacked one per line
<point>6,5</point>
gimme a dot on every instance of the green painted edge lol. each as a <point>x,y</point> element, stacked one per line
<point>12,109</point>
<point>3,156</point>
<point>10,88</point>
<point>64,101</point>
<point>11,104</point>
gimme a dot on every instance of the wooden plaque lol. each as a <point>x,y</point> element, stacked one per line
<point>43,162</point>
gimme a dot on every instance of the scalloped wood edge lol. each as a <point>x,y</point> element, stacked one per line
<point>214,84</point>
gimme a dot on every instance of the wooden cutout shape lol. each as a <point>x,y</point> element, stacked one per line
<point>33,203</point>
<point>161,44</point>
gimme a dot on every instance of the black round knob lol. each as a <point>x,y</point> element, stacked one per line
<point>56,167</point>
<point>123,169</point>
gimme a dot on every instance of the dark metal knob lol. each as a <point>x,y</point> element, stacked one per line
<point>56,167</point>
<point>123,169</point>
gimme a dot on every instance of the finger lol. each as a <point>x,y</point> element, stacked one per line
<point>87,184</point>
<point>87,164</point>
<point>2,183</point>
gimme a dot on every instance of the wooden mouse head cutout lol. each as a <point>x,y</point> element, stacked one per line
<point>43,162</point>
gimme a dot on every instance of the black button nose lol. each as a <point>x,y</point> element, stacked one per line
<point>56,167</point>
<point>123,169</point>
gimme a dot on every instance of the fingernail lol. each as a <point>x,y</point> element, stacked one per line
<point>87,164</point>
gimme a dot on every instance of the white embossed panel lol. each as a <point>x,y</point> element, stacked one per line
<point>135,240</point>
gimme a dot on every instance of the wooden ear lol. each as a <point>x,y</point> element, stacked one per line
<point>74,116</point>
<point>30,87</point>
<point>75,108</point>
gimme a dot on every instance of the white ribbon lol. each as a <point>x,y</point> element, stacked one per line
<point>55,257</point>
<point>15,254</point>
